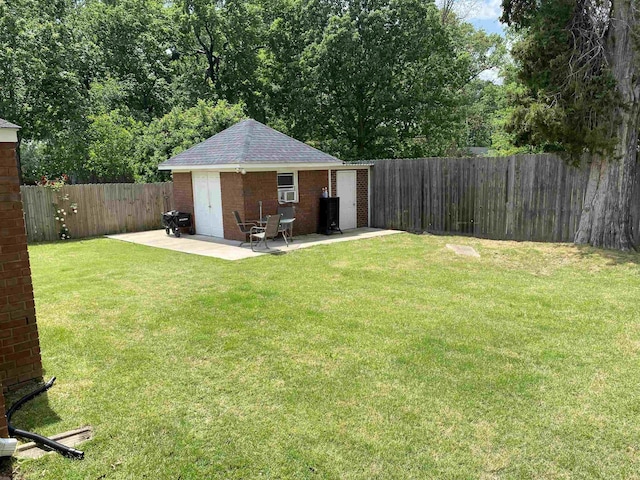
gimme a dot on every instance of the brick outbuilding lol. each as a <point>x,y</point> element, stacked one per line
<point>250,165</point>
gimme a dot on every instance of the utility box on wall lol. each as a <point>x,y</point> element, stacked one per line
<point>19,343</point>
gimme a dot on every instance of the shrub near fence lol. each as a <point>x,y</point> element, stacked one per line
<point>524,197</point>
<point>102,209</point>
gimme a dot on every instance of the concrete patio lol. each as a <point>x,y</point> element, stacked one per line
<point>231,250</point>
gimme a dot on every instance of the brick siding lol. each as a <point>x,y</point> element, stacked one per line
<point>183,193</point>
<point>231,186</point>
<point>263,186</point>
<point>260,186</point>
<point>19,342</point>
<point>334,183</point>
<point>4,432</point>
<point>362,197</point>
<point>310,185</point>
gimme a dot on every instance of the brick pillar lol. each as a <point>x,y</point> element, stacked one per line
<point>362,202</point>
<point>183,192</point>
<point>334,183</point>
<point>232,193</point>
<point>4,432</point>
<point>19,344</point>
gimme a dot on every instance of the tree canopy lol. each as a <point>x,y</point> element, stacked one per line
<point>94,83</point>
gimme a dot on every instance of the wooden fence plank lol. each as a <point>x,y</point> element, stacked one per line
<point>525,197</point>
<point>102,209</point>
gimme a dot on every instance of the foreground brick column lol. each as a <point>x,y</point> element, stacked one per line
<point>4,432</point>
<point>19,343</point>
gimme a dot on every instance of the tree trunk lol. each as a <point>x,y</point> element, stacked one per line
<point>606,213</point>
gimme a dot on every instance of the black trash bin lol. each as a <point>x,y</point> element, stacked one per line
<point>174,220</point>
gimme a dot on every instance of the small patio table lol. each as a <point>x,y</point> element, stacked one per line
<point>286,227</point>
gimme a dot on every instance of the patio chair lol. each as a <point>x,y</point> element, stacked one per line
<point>245,227</point>
<point>288,216</point>
<point>287,212</point>
<point>270,230</point>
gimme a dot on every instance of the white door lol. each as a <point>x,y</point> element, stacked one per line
<point>207,203</point>
<point>346,186</point>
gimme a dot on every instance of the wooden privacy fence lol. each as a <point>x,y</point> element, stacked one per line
<point>524,197</point>
<point>102,209</point>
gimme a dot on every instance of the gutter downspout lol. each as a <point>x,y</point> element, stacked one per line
<point>8,446</point>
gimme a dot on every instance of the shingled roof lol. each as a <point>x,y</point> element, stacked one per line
<point>249,142</point>
<point>5,124</point>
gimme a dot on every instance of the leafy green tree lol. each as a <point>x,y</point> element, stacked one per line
<point>478,52</point>
<point>373,79</point>
<point>578,62</point>
<point>95,83</point>
<point>372,72</point>
<point>128,40</point>
<point>43,70</point>
<point>219,52</point>
<point>112,139</point>
<point>34,161</point>
<point>63,61</point>
<point>504,140</point>
<point>484,100</point>
<point>177,131</point>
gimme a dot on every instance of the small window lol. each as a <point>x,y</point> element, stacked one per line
<point>287,187</point>
<point>286,180</point>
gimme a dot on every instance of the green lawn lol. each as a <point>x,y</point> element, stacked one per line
<point>382,358</point>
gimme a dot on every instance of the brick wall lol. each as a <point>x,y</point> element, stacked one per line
<point>310,185</point>
<point>334,183</point>
<point>19,344</point>
<point>260,186</point>
<point>362,198</point>
<point>183,193</point>
<point>4,432</point>
<point>231,185</point>
<point>243,192</point>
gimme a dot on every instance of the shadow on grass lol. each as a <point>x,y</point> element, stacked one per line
<point>34,414</point>
<point>612,257</point>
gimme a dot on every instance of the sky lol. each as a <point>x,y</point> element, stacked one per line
<point>484,14</point>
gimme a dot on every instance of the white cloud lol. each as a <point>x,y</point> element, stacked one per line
<point>492,75</point>
<point>485,10</point>
<point>482,14</point>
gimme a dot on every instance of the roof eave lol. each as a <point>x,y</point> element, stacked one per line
<point>256,167</point>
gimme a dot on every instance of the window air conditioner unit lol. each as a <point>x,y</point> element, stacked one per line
<point>285,196</point>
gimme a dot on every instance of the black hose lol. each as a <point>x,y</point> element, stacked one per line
<point>29,396</point>
<point>39,439</point>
